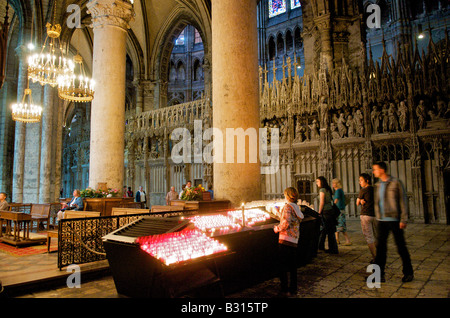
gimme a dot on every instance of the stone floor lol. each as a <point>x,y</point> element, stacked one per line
<point>328,276</point>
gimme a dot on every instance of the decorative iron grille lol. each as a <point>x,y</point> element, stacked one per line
<point>80,240</point>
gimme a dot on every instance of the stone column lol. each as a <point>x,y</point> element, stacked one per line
<point>58,152</point>
<point>139,96</point>
<point>110,23</point>
<point>235,94</point>
<point>46,145</point>
<point>324,25</point>
<point>20,133</point>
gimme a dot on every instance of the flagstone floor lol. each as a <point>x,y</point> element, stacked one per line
<point>328,276</point>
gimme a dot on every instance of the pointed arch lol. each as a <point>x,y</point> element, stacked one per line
<point>181,16</point>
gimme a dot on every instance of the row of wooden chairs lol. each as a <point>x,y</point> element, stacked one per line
<point>40,212</point>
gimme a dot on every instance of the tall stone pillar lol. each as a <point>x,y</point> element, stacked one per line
<point>20,133</point>
<point>324,25</point>
<point>110,23</point>
<point>235,95</point>
<point>46,162</point>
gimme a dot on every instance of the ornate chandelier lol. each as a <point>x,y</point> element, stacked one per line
<point>26,111</point>
<point>47,66</point>
<point>76,88</point>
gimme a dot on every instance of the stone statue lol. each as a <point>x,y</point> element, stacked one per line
<point>403,115</point>
<point>385,122</point>
<point>359,121</point>
<point>351,132</point>
<point>441,108</point>
<point>314,130</point>
<point>154,154</point>
<point>284,131</point>
<point>342,128</point>
<point>421,114</point>
<point>392,113</point>
<point>323,112</point>
<point>375,119</point>
<point>299,132</point>
<point>334,132</point>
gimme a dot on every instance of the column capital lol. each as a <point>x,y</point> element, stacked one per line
<point>111,12</point>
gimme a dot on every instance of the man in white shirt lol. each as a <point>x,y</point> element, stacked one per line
<point>171,195</point>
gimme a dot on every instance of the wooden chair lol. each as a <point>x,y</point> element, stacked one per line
<point>125,211</point>
<point>70,215</point>
<point>40,213</point>
<point>178,203</point>
<point>166,208</point>
<point>20,207</point>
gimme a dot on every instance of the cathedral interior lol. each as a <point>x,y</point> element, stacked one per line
<point>347,83</point>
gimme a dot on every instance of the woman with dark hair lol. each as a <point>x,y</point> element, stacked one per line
<point>368,221</point>
<point>328,219</point>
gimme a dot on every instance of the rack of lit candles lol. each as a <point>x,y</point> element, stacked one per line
<point>180,246</point>
<point>232,220</point>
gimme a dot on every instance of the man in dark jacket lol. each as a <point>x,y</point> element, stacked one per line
<point>391,211</point>
<point>140,196</point>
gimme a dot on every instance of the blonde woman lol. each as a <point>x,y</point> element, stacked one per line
<point>339,200</point>
<point>289,229</point>
<point>75,204</point>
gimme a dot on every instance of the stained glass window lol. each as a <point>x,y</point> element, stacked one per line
<point>180,39</point>
<point>197,37</point>
<point>276,7</point>
<point>295,4</point>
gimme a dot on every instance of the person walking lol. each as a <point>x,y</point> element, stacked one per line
<point>391,210</point>
<point>289,233</point>
<point>367,214</point>
<point>328,219</point>
<point>339,200</point>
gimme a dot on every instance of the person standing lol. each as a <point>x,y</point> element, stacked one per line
<point>367,214</point>
<point>171,195</point>
<point>4,206</point>
<point>391,211</point>
<point>210,190</point>
<point>328,219</point>
<point>289,233</point>
<point>140,196</point>
<point>129,192</point>
<point>339,200</point>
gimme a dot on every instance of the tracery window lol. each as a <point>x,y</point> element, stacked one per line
<point>276,7</point>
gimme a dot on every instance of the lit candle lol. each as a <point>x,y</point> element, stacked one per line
<point>243,214</point>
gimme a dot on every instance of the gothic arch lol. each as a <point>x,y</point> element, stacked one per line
<point>179,18</point>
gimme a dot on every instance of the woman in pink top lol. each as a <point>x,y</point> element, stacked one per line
<point>289,233</point>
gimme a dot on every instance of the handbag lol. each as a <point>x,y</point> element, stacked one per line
<point>336,210</point>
